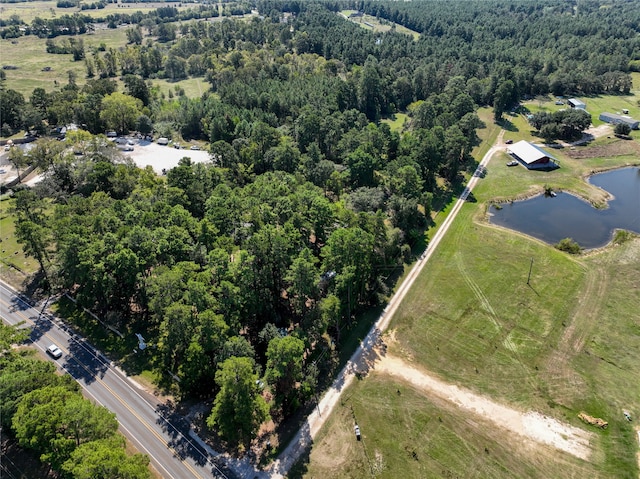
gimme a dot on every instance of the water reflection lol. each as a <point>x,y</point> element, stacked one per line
<point>565,216</point>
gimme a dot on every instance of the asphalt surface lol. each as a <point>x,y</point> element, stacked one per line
<point>152,427</point>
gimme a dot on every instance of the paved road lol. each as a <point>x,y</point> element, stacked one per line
<point>151,428</point>
<point>361,359</point>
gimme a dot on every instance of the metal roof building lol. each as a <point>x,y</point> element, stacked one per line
<point>532,156</point>
<point>614,118</point>
<point>575,103</point>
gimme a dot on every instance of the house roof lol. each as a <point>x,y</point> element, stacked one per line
<point>529,153</point>
<point>576,103</point>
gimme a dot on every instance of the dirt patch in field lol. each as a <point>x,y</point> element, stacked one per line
<point>617,148</point>
<point>530,425</point>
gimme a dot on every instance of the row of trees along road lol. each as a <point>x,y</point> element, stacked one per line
<point>264,255</point>
<point>47,413</point>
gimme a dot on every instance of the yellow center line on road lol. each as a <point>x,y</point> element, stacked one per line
<point>132,411</point>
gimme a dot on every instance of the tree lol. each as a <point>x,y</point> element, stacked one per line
<point>11,104</point>
<point>144,124</point>
<point>303,278</point>
<point>120,111</point>
<point>10,335</point>
<point>18,159</point>
<point>361,168</point>
<point>106,459</point>
<point>32,230</point>
<point>370,90</point>
<point>137,87</point>
<point>351,248</point>
<point>54,421</point>
<point>21,376</point>
<point>331,312</point>
<point>239,409</point>
<point>622,129</point>
<point>285,357</point>
<point>503,98</point>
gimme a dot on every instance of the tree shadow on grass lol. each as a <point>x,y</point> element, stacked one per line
<point>507,125</point>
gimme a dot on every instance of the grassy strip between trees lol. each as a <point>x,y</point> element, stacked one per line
<point>564,343</point>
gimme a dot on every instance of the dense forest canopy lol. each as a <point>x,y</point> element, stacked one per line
<point>261,257</point>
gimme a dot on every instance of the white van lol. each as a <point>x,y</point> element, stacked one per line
<point>163,141</point>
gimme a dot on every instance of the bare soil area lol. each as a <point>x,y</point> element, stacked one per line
<point>618,148</point>
<point>532,425</point>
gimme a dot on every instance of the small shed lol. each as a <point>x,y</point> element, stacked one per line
<point>575,103</point>
<point>614,119</point>
<point>532,156</point>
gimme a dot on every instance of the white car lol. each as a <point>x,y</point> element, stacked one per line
<point>54,351</point>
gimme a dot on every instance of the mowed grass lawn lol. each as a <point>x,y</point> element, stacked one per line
<point>14,265</point>
<point>375,24</point>
<point>566,342</point>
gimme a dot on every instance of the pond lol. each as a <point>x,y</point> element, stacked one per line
<point>552,219</point>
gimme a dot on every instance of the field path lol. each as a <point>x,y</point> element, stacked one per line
<point>531,425</point>
<point>562,379</point>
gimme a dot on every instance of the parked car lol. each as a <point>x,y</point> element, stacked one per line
<point>512,163</point>
<point>508,142</point>
<point>177,146</point>
<point>163,141</point>
<point>195,147</point>
<point>54,351</point>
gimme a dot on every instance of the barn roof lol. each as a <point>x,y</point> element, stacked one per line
<point>615,118</point>
<point>575,103</point>
<point>529,153</point>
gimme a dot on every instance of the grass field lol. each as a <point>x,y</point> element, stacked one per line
<point>566,342</point>
<point>378,25</point>
<point>193,87</point>
<point>14,265</point>
<point>30,56</point>
<point>28,11</point>
<point>407,434</point>
<point>397,122</point>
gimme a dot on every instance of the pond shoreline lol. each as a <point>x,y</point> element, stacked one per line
<point>577,218</point>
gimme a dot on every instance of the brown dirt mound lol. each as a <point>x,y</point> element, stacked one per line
<point>618,148</point>
<point>594,421</point>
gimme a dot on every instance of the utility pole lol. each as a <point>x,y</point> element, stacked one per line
<point>530,268</point>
